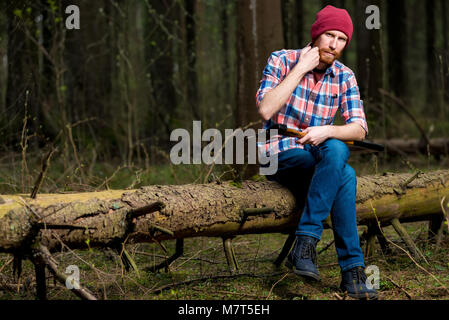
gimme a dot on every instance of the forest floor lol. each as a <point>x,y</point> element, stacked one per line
<point>202,272</point>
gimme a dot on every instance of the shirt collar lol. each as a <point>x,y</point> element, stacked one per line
<point>332,70</point>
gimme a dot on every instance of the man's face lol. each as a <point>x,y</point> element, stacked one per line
<point>331,45</point>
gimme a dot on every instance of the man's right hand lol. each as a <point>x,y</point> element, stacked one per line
<point>276,98</point>
<point>309,58</point>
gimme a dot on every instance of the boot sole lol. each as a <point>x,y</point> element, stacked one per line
<point>307,274</point>
<point>363,296</point>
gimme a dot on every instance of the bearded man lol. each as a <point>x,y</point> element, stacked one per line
<point>303,89</point>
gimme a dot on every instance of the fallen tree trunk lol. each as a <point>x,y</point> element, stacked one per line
<point>154,213</point>
<point>436,147</point>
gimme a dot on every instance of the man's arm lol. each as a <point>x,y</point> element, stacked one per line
<point>317,135</point>
<point>352,112</point>
<point>276,98</point>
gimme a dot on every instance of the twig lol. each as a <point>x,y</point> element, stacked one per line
<point>400,287</point>
<point>168,286</point>
<point>40,178</point>
<point>440,230</point>
<point>410,180</point>
<point>339,297</point>
<point>404,108</point>
<point>44,256</point>
<point>166,257</point>
<point>327,246</point>
<point>75,152</point>
<point>272,287</point>
<point>110,178</point>
<point>7,262</point>
<point>219,153</point>
<point>231,292</point>
<point>410,256</point>
<point>24,143</point>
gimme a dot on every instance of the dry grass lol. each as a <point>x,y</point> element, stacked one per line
<point>202,272</point>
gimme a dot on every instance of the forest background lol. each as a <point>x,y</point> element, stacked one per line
<point>102,100</point>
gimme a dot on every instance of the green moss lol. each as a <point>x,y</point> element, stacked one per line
<point>237,184</point>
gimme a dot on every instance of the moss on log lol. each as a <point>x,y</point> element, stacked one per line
<point>164,212</point>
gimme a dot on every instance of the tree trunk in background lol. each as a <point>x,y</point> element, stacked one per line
<point>433,86</point>
<point>445,54</point>
<point>224,21</point>
<point>369,60</point>
<point>259,34</point>
<point>397,48</point>
<point>160,60</point>
<point>293,23</point>
<point>192,80</point>
<point>23,73</point>
<point>114,130</point>
<point>3,68</point>
<point>91,72</point>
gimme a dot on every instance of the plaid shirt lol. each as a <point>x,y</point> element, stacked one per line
<point>311,103</point>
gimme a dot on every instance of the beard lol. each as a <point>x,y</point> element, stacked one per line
<point>327,59</point>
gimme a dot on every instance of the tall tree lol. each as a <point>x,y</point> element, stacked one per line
<point>259,34</point>
<point>192,83</point>
<point>432,88</point>
<point>397,47</point>
<point>23,69</point>
<point>369,59</point>
<point>293,23</point>
<point>445,66</point>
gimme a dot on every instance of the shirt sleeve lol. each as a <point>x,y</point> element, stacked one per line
<point>273,74</point>
<point>351,104</point>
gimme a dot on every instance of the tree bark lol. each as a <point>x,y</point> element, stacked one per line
<point>397,47</point>
<point>433,88</point>
<point>437,146</point>
<point>259,34</point>
<point>109,218</point>
<point>369,59</point>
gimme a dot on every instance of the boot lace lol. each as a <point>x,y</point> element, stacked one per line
<point>308,251</point>
<point>358,275</point>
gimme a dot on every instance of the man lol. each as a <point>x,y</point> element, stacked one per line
<point>303,89</point>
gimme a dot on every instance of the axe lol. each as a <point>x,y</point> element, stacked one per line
<point>354,145</point>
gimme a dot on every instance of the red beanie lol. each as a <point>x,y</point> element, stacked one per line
<point>331,18</point>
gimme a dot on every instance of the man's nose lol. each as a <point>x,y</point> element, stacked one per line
<point>333,44</point>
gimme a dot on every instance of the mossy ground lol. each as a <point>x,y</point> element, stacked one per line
<point>202,272</point>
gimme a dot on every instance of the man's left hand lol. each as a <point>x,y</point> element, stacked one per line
<point>315,135</point>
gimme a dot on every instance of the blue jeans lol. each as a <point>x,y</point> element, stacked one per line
<point>332,185</point>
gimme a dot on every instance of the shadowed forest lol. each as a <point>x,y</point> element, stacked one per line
<point>91,109</point>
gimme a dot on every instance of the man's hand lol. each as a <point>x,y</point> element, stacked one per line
<point>319,134</point>
<point>275,99</point>
<point>315,135</point>
<point>309,58</point>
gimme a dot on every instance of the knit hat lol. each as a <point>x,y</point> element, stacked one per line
<point>331,18</point>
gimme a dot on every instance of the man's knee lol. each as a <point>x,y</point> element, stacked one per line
<point>335,150</point>
<point>349,172</point>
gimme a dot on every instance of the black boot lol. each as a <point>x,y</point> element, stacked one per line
<point>354,283</point>
<point>302,259</point>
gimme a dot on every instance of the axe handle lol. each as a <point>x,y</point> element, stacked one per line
<point>283,130</point>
